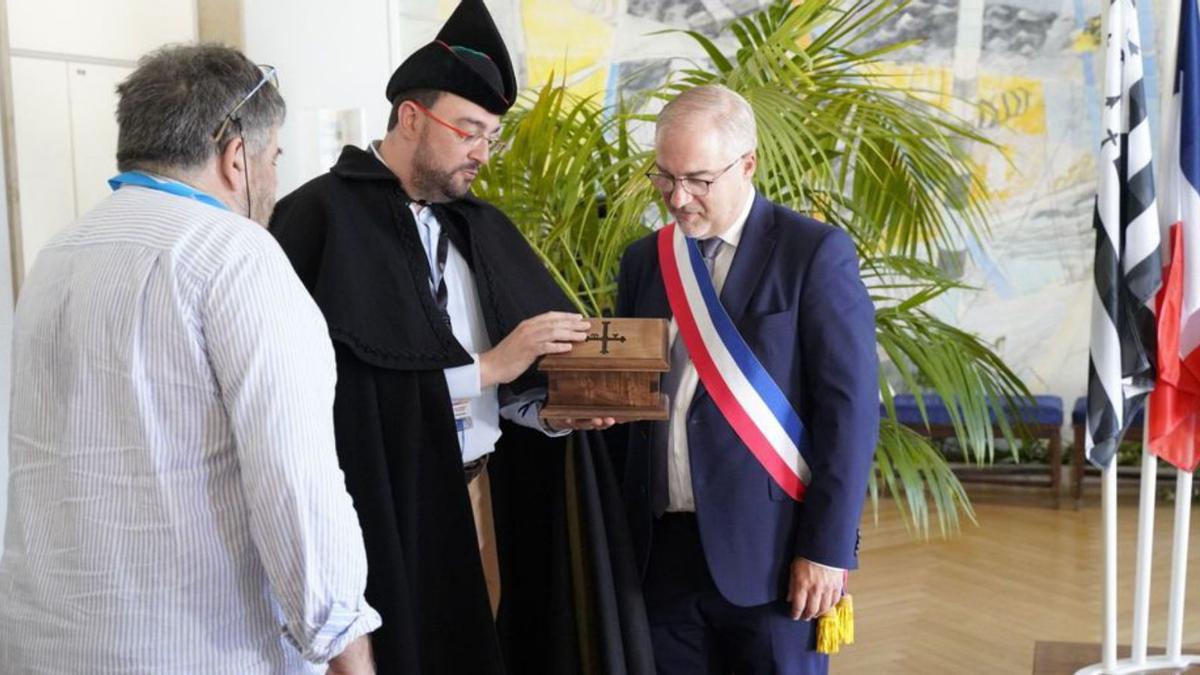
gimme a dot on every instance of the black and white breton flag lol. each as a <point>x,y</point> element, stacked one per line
<point>1128,269</point>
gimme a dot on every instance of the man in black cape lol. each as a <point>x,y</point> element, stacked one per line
<point>438,308</point>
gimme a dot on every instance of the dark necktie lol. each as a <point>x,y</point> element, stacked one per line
<point>440,295</point>
<point>709,248</point>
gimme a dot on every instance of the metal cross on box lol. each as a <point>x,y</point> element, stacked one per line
<point>605,337</point>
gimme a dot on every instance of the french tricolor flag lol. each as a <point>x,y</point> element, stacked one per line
<point>1175,402</point>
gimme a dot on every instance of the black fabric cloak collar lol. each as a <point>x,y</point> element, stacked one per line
<point>511,281</point>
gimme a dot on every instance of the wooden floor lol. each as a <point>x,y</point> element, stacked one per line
<point>979,602</point>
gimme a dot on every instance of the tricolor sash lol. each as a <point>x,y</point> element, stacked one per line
<point>743,390</point>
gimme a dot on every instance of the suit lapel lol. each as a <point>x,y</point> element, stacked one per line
<point>750,259</point>
<point>656,305</point>
<point>749,264</point>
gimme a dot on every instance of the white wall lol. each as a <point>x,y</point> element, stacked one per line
<point>329,56</point>
<point>337,57</point>
<point>119,30</point>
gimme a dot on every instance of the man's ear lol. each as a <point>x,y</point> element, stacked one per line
<point>231,165</point>
<point>406,118</point>
<point>750,163</point>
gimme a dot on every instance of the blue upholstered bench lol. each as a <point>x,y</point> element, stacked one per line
<point>1043,417</point>
<point>1078,461</point>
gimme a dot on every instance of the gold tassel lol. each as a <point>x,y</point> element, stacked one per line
<point>836,627</point>
<point>845,611</point>
<point>827,633</point>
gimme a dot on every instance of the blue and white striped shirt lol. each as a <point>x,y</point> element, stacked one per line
<point>175,502</point>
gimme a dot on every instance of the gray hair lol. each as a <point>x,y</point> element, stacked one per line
<point>170,107</point>
<point>724,108</point>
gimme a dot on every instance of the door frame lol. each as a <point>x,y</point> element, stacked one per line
<point>9,144</point>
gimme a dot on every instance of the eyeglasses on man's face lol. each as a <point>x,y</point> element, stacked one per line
<point>697,187</point>
<point>268,76</point>
<point>465,137</point>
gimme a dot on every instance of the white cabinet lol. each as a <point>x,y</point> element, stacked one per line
<point>66,142</point>
<point>45,158</point>
<point>93,90</point>
<point>67,57</point>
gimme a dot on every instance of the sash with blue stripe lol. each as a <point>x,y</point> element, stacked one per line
<point>745,393</point>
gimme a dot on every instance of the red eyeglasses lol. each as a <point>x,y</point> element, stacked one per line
<point>465,137</point>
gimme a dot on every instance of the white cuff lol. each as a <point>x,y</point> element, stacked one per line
<point>464,381</point>
<point>828,567</point>
<point>341,627</point>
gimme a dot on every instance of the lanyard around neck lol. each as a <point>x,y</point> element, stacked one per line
<point>163,185</point>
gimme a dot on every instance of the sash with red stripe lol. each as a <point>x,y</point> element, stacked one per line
<point>745,393</point>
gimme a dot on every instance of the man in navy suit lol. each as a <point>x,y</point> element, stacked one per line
<point>735,570</point>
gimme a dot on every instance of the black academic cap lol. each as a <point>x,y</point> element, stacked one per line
<point>468,58</point>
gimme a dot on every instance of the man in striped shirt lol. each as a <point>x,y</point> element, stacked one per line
<point>175,502</point>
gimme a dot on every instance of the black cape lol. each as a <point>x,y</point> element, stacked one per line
<point>569,598</point>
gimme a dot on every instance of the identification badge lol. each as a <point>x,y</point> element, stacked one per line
<point>462,413</point>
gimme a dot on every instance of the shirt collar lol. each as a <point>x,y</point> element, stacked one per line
<point>733,235</point>
<point>374,146</point>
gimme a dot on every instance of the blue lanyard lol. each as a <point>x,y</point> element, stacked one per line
<point>164,185</point>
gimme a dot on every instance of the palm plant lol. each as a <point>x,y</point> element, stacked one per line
<point>836,140</point>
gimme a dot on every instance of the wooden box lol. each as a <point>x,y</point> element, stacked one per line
<point>615,373</point>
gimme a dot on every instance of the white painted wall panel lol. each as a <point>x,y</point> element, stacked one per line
<point>45,162</point>
<point>93,129</point>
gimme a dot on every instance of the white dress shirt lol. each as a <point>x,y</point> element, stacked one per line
<point>175,501</point>
<point>477,409</point>
<point>679,467</point>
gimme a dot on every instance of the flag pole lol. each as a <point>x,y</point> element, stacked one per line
<point>1183,480</point>
<point>1145,546</point>
<point>1112,86</point>
<point>1168,62</point>
<point>1109,499</point>
<point>1183,513</point>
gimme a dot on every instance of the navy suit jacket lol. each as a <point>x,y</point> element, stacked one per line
<point>794,293</point>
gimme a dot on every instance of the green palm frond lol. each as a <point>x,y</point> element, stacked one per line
<point>829,120</point>
<point>837,140</point>
<point>914,473</point>
<point>569,179</point>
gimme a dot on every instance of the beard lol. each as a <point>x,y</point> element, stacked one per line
<point>439,184</point>
<point>262,199</point>
<point>262,206</point>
